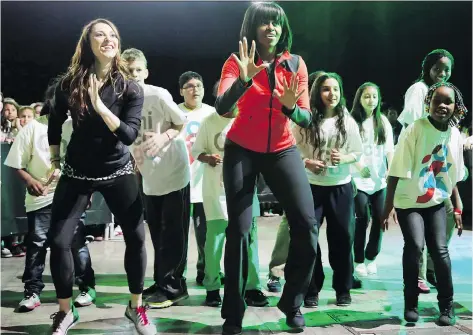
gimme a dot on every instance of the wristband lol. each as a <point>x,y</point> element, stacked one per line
<point>458,211</point>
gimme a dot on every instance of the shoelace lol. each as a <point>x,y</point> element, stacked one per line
<point>141,311</point>
<point>57,318</point>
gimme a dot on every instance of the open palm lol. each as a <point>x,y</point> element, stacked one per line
<point>246,62</point>
<point>289,96</point>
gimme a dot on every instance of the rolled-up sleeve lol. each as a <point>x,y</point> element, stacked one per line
<point>130,117</point>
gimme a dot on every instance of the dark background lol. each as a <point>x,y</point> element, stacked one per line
<point>383,42</point>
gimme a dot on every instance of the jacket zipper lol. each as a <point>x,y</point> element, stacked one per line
<point>270,104</point>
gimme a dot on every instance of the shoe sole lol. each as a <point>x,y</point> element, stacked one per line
<point>167,303</point>
<point>254,304</point>
<point>310,306</point>
<point>79,305</point>
<point>343,304</point>
<point>25,309</point>
<point>213,304</point>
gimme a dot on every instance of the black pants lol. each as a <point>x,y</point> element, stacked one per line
<point>336,204</point>
<point>429,224</point>
<point>284,174</point>
<point>39,222</point>
<point>200,229</point>
<point>168,221</point>
<point>363,215</point>
<point>70,200</point>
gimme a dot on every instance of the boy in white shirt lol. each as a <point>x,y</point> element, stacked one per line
<point>161,157</point>
<point>30,156</point>
<point>208,149</point>
<point>191,87</point>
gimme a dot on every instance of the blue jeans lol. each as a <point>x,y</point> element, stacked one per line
<point>39,222</point>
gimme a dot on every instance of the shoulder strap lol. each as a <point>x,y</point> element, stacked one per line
<point>293,63</point>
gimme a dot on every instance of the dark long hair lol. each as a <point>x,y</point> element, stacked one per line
<point>429,61</point>
<point>359,114</point>
<point>312,134</point>
<point>260,12</point>
<point>76,79</point>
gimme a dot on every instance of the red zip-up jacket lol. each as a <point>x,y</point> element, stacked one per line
<point>262,123</point>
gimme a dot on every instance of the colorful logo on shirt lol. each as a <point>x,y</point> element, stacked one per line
<point>431,174</point>
<point>192,128</point>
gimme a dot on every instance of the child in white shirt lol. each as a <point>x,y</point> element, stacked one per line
<point>369,174</point>
<point>427,164</point>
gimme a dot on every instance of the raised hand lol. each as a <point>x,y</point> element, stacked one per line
<point>246,62</point>
<point>94,86</point>
<point>289,96</point>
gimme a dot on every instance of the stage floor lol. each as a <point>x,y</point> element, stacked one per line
<point>377,308</point>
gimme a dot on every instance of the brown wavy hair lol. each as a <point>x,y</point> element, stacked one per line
<point>76,79</point>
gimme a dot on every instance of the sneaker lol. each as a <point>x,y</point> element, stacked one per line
<point>140,319</point>
<point>356,283</point>
<point>231,327</point>
<point>6,253</point>
<point>311,301</point>
<point>411,313</point>
<point>213,298</point>
<point>360,269</point>
<point>343,299</point>
<point>17,251</point>
<point>62,321</point>
<point>256,298</point>
<point>150,290</point>
<point>295,319</point>
<point>447,315</point>
<point>161,300</point>
<point>371,267</point>
<point>85,298</point>
<point>200,279</point>
<point>118,231</point>
<point>29,302</point>
<point>422,286</point>
<point>273,284</point>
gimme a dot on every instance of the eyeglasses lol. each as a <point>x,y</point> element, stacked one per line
<point>192,87</point>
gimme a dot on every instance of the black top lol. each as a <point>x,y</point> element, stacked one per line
<point>94,150</point>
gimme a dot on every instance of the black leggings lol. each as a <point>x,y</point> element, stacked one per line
<point>363,215</point>
<point>429,225</point>
<point>285,175</point>
<point>70,200</point>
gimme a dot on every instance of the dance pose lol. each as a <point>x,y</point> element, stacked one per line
<point>267,88</point>
<point>105,106</point>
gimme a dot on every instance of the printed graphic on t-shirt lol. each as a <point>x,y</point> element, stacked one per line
<point>432,175</point>
<point>191,130</point>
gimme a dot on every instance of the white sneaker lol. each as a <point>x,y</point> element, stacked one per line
<point>85,298</point>
<point>29,302</point>
<point>371,267</point>
<point>139,317</point>
<point>360,269</point>
<point>62,322</point>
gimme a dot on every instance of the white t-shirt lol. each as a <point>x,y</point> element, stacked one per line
<point>30,151</point>
<point>194,120</point>
<point>211,140</point>
<point>414,107</point>
<point>429,164</point>
<point>169,170</point>
<point>373,157</point>
<point>338,175</point>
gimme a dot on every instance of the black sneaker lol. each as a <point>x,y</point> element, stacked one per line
<point>17,251</point>
<point>295,319</point>
<point>159,299</point>
<point>356,283</point>
<point>411,313</point>
<point>150,290</point>
<point>256,298</point>
<point>447,315</point>
<point>311,301</point>
<point>231,327</point>
<point>273,284</point>
<point>343,299</point>
<point>200,279</point>
<point>213,298</point>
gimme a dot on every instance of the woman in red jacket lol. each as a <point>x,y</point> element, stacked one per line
<point>266,92</point>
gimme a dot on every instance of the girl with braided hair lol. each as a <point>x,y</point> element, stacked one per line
<point>427,164</point>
